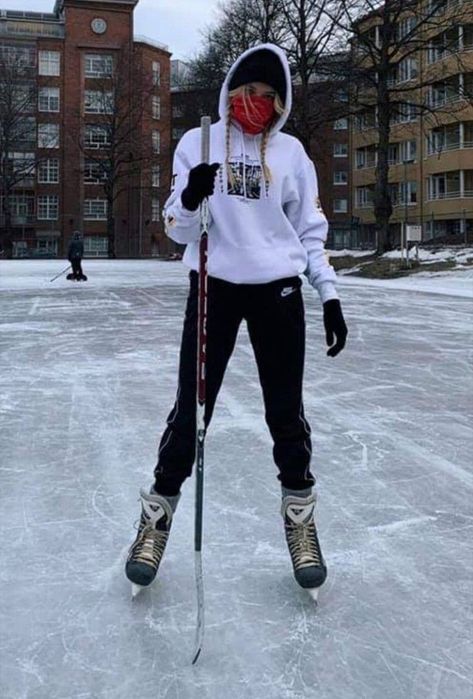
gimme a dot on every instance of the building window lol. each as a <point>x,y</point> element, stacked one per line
<point>48,171</point>
<point>48,99</point>
<point>156,74</point>
<point>407,193</point>
<point>177,111</point>
<point>156,142</point>
<point>341,124</point>
<point>340,150</point>
<point>407,70</point>
<point>156,107</point>
<point>48,135</point>
<point>177,134</point>
<point>48,208</point>
<point>95,210</point>
<point>340,206</point>
<point>406,27</point>
<point>49,63</point>
<point>96,136</point>
<point>94,172</point>
<point>408,151</point>
<point>364,197</point>
<point>95,246</point>
<point>340,177</point>
<point>98,102</point>
<point>155,209</point>
<point>21,207</point>
<point>156,176</point>
<point>98,65</point>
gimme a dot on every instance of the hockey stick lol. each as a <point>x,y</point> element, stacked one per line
<point>201,386</point>
<point>60,274</point>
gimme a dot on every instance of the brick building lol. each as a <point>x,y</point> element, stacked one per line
<point>74,55</point>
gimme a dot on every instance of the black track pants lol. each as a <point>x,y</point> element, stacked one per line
<point>274,314</point>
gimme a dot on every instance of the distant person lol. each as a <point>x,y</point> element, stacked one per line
<point>266,228</point>
<point>75,255</point>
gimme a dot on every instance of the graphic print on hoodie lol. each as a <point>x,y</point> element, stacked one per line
<point>259,231</point>
<point>247,178</point>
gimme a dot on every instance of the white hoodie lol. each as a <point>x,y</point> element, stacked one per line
<point>256,234</point>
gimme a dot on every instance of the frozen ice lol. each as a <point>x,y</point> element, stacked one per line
<point>88,375</point>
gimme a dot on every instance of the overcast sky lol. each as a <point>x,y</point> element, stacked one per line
<point>173,22</point>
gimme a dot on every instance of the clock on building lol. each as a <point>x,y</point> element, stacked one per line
<point>99,25</point>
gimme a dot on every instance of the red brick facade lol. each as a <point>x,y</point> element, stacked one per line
<point>85,29</point>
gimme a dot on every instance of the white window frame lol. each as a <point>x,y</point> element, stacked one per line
<point>340,178</point>
<point>49,99</point>
<point>341,124</point>
<point>155,209</point>
<point>89,177</point>
<point>49,63</point>
<point>48,171</point>
<point>48,207</point>
<point>340,146</point>
<point>96,143</point>
<point>98,102</point>
<point>156,107</point>
<point>95,246</point>
<point>156,176</point>
<point>95,209</point>
<point>98,65</point>
<point>156,68</point>
<point>47,139</point>
<point>156,142</point>
<point>340,209</point>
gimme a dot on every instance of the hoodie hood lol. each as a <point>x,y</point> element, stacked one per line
<point>223,102</point>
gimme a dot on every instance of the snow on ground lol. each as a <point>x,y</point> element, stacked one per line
<point>460,255</point>
<point>88,377</point>
<point>350,253</point>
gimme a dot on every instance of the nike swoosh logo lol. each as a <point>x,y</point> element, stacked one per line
<point>287,291</point>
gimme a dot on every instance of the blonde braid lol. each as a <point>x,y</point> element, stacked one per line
<point>228,169</point>
<point>266,170</point>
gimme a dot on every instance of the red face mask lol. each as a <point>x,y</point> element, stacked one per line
<point>260,113</point>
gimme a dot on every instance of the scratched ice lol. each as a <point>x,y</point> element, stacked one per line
<point>88,374</point>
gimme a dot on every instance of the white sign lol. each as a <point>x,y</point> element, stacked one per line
<point>414,234</point>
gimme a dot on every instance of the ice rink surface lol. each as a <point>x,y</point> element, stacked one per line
<point>88,375</point>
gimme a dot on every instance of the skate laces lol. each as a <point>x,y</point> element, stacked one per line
<point>303,544</point>
<point>149,545</point>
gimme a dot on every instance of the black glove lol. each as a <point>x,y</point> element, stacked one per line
<point>200,184</point>
<point>334,323</point>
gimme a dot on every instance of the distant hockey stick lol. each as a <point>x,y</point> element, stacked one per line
<point>201,386</point>
<point>60,274</point>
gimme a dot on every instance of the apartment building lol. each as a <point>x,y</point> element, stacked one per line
<point>431,148</point>
<point>73,55</point>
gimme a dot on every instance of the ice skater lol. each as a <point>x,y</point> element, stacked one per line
<point>75,254</point>
<point>266,229</point>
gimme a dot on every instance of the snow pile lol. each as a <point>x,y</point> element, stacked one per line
<point>458,255</point>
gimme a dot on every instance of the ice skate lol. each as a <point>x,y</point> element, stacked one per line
<point>309,566</point>
<point>147,550</point>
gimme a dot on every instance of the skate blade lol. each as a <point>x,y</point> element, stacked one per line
<point>313,593</point>
<point>136,589</point>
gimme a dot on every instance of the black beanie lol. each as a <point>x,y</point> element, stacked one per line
<point>262,66</point>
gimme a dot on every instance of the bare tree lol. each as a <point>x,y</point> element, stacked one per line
<point>122,100</point>
<point>240,24</point>
<point>318,61</point>
<point>18,104</point>
<point>389,82</point>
